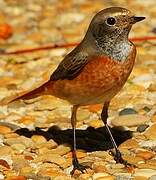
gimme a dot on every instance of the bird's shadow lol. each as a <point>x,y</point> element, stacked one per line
<point>91,139</point>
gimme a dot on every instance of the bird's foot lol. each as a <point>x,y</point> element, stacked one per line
<point>118,158</point>
<point>78,166</point>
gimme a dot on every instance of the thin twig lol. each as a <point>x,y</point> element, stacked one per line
<point>135,39</point>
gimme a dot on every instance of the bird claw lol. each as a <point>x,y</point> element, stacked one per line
<point>118,158</point>
<point>80,167</point>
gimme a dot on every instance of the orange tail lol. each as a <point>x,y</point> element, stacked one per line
<point>41,90</point>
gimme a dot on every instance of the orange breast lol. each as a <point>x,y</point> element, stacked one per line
<point>99,81</point>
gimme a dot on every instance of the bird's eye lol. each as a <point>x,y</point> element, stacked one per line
<point>111,21</point>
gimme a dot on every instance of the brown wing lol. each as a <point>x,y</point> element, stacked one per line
<point>71,66</point>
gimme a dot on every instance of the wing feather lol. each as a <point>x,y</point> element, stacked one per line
<point>71,66</point>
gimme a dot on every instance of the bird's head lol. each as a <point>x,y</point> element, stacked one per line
<point>113,21</point>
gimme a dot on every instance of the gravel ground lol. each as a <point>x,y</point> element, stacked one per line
<point>36,136</point>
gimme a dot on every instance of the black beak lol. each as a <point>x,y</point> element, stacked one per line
<point>135,19</point>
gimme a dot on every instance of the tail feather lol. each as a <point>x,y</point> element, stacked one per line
<point>41,90</point>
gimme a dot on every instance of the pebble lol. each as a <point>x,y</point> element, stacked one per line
<point>83,114</point>
<point>19,162</point>
<point>102,154</point>
<point>140,178</point>
<point>16,178</point>
<point>4,130</point>
<point>5,150</point>
<point>150,144</point>
<point>26,171</point>
<point>50,172</point>
<point>96,123</point>
<point>27,120</point>
<point>153,119</point>
<point>54,158</point>
<point>61,150</point>
<point>19,140</point>
<point>142,127</point>
<point>145,172</point>
<point>4,163</point>
<point>129,144</point>
<point>63,178</point>
<point>151,132</point>
<point>99,167</point>
<point>38,139</point>
<point>104,176</point>
<point>152,177</point>
<point>85,177</point>
<point>127,111</point>
<point>152,87</point>
<point>145,155</point>
<point>130,120</point>
<point>80,154</point>
<point>133,159</point>
<point>18,147</point>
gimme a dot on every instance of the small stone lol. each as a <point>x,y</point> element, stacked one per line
<point>123,176</point>
<point>96,123</point>
<point>63,178</point>
<point>99,167</point>
<point>117,166</point>
<point>151,132</point>
<point>54,158</point>
<point>142,127</point>
<point>80,154</point>
<point>127,111</point>
<point>129,144</point>
<point>28,158</point>
<point>145,172</point>
<point>129,120</point>
<point>18,147</point>
<point>146,165</point>
<point>85,177</point>
<point>132,159</point>
<point>102,154</point>
<point>83,114</point>
<point>153,119</point>
<point>61,150</point>
<point>5,150</point>
<point>11,135</point>
<point>104,176</point>
<point>19,140</point>
<point>25,171</point>
<point>19,162</point>
<point>27,120</point>
<point>152,177</point>
<point>152,87</point>
<point>145,155</point>
<point>50,172</point>
<point>38,139</point>
<point>140,178</point>
<point>4,163</point>
<point>4,130</point>
<point>16,178</point>
<point>150,144</point>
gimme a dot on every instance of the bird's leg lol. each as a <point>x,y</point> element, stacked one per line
<point>104,116</point>
<point>75,162</point>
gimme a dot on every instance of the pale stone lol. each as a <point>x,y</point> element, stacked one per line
<point>18,147</point>
<point>145,172</point>
<point>129,120</point>
<point>151,132</point>
<point>38,139</point>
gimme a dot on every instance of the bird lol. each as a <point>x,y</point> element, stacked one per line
<point>94,71</point>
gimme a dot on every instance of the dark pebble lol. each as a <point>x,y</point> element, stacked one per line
<point>142,128</point>
<point>154,30</point>
<point>127,111</point>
